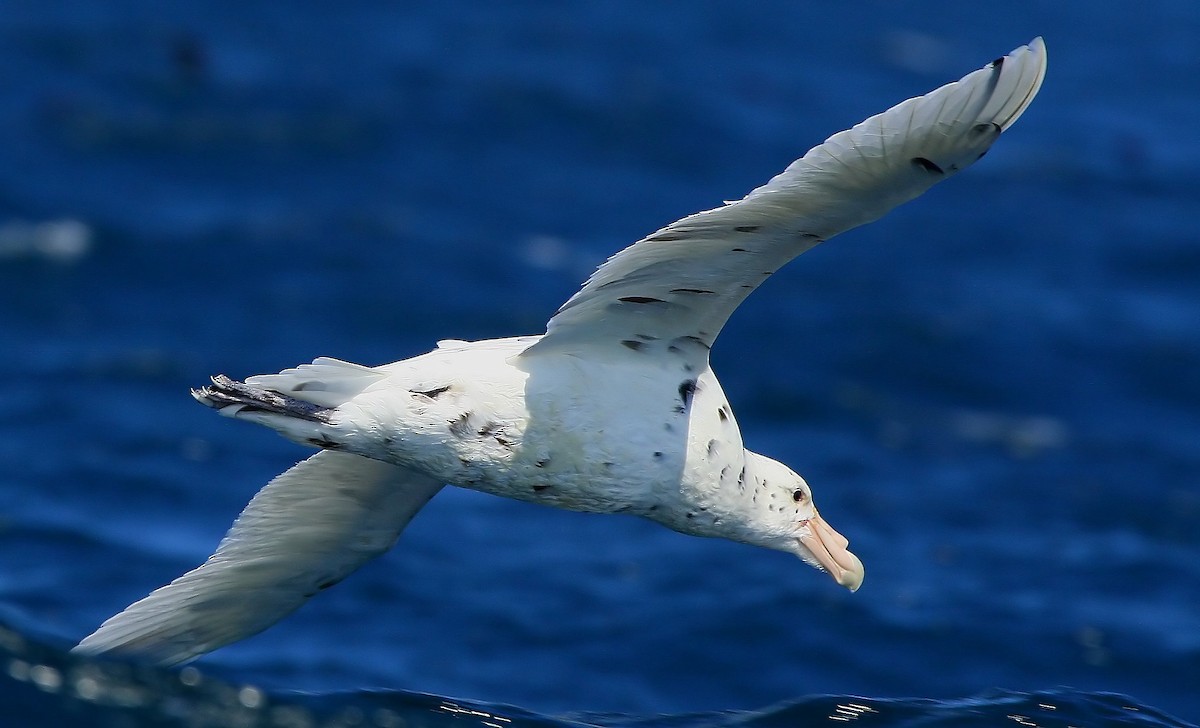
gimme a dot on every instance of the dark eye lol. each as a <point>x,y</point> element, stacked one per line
<point>798,496</point>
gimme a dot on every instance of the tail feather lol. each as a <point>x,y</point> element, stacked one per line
<point>296,419</point>
<point>298,403</point>
<point>326,382</point>
<point>233,399</point>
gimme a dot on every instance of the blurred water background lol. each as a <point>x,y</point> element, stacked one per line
<point>995,392</point>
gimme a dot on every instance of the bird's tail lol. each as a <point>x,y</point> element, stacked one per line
<point>299,403</point>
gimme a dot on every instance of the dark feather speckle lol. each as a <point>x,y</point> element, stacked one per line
<point>692,340</point>
<point>686,389</point>
<point>323,442</point>
<point>927,164</point>
<point>667,236</point>
<point>459,426</point>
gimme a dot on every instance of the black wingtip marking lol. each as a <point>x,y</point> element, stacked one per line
<point>928,165</point>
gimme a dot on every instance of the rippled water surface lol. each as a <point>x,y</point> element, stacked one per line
<point>995,392</point>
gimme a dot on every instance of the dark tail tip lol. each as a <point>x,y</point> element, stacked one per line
<point>226,392</point>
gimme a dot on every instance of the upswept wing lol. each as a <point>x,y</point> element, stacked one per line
<point>678,286</point>
<point>305,531</point>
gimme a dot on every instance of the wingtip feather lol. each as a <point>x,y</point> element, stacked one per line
<point>1032,62</point>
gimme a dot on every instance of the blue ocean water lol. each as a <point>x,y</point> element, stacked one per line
<point>995,391</point>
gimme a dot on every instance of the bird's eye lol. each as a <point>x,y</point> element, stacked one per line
<point>798,496</point>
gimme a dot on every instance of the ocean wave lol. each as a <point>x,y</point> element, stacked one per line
<point>42,685</point>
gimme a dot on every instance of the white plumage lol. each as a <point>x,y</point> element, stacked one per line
<point>304,532</point>
<point>614,409</point>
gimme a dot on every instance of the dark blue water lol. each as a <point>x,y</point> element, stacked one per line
<point>995,392</point>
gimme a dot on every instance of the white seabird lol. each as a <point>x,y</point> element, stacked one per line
<point>613,410</point>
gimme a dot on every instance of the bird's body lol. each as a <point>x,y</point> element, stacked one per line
<point>613,410</point>
<point>497,417</point>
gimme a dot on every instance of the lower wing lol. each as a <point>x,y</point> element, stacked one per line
<point>305,531</point>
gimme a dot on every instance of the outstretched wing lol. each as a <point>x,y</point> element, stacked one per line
<point>678,286</point>
<point>305,531</point>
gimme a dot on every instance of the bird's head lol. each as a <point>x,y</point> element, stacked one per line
<point>797,527</point>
